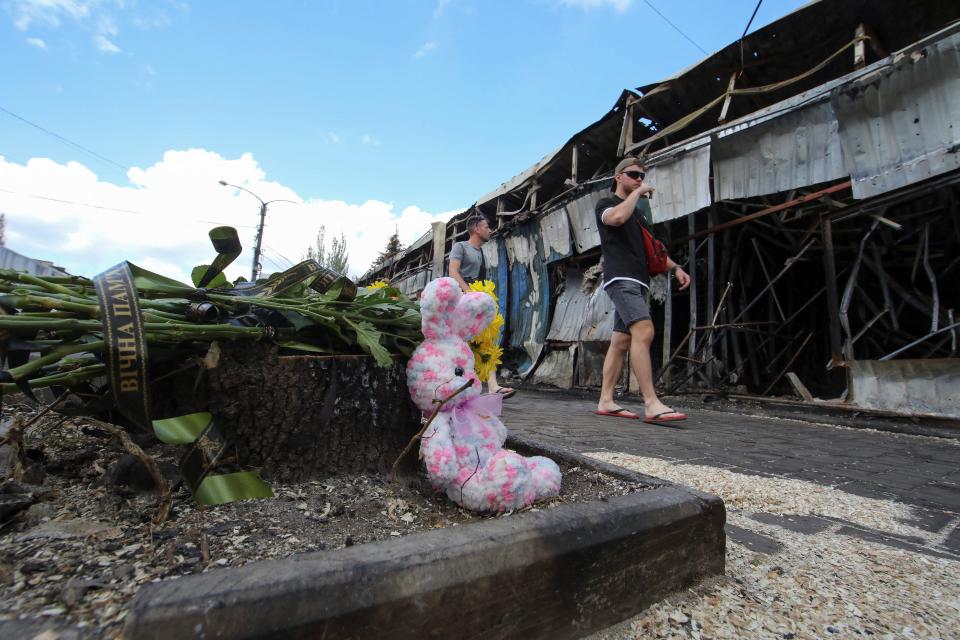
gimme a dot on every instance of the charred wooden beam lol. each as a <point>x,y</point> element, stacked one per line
<point>692,269</point>
<point>833,306</point>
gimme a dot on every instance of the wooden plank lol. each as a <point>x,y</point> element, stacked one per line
<point>439,230</point>
<point>575,157</point>
<point>726,101</point>
<point>860,49</point>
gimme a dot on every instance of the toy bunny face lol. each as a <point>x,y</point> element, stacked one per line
<point>444,362</point>
<point>449,314</point>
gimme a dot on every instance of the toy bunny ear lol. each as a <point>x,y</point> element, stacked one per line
<point>473,314</point>
<point>437,303</point>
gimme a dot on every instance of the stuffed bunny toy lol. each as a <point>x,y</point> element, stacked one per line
<point>463,446</point>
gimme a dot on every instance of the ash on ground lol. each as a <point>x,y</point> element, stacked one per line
<point>76,538</point>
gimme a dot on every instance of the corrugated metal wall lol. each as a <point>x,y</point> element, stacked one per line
<point>529,308</point>
<point>583,221</point>
<point>682,182</point>
<point>901,124</point>
<point>10,259</point>
<point>796,150</point>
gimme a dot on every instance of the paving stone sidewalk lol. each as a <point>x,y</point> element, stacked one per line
<point>919,471</point>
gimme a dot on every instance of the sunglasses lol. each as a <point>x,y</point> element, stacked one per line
<point>636,175</point>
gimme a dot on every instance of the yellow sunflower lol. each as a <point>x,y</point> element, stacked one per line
<point>379,284</point>
<point>486,350</point>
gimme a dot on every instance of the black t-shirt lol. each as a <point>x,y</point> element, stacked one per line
<point>623,253</point>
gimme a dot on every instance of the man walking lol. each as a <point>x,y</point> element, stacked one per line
<point>468,265</point>
<point>627,281</point>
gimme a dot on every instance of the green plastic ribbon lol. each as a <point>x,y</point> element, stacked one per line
<point>230,487</point>
<point>226,243</point>
<point>182,429</point>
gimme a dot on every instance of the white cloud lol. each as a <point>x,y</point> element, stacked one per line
<point>106,26</point>
<point>334,137</point>
<point>369,140</point>
<point>104,45</point>
<point>441,5</point>
<point>95,17</point>
<point>620,6</point>
<point>49,12</point>
<point>425,49</point>
<point>37,42</point>
<point>161,219</point>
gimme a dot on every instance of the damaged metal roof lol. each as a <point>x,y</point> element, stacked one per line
<point>901,124</point>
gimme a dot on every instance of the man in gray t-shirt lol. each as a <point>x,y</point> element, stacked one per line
<point>473,266</point>
<point>467,265</point>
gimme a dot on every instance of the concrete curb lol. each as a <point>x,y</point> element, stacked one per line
<point>560,573</point>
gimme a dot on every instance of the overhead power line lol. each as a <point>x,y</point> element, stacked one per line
<point>104,208</point>
<point>66,140</point>
<point>678,30</point>
<point>752,16</point>
<point>277,253</point>
<point>744,34</point>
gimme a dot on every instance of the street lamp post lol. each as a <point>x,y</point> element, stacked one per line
<point>255,269</point>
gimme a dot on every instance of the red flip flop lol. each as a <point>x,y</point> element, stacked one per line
<point>618,413</point>
<point>665,416</point>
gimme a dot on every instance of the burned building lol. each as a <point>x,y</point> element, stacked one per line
<point>807,179</point>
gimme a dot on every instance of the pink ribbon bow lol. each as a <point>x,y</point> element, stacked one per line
<point>476,408</point>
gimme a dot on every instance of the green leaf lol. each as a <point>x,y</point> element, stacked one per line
<point>298,320</point>
<point>182,429</point>
<point>147,281</point>
<point>303,346</point>
<point>218,281</point>
<point>369,339</point>
<point>230,487</point>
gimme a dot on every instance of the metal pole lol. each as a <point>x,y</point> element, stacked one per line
<point>255,270</point>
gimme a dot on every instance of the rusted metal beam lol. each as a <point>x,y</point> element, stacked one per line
<point>810,197</point>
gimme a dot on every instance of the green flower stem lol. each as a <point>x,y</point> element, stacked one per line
<point>56,354</point>
<point>68,378</point>
<point>150,314</point>
<point>42,282</point>
<point>46,302</point>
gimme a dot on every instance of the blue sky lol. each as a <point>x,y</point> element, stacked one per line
<point>416,107</point>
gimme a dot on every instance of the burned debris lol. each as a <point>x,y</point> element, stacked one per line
<point>807,179</point>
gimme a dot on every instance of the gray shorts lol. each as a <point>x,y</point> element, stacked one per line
<point>629,301</point>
